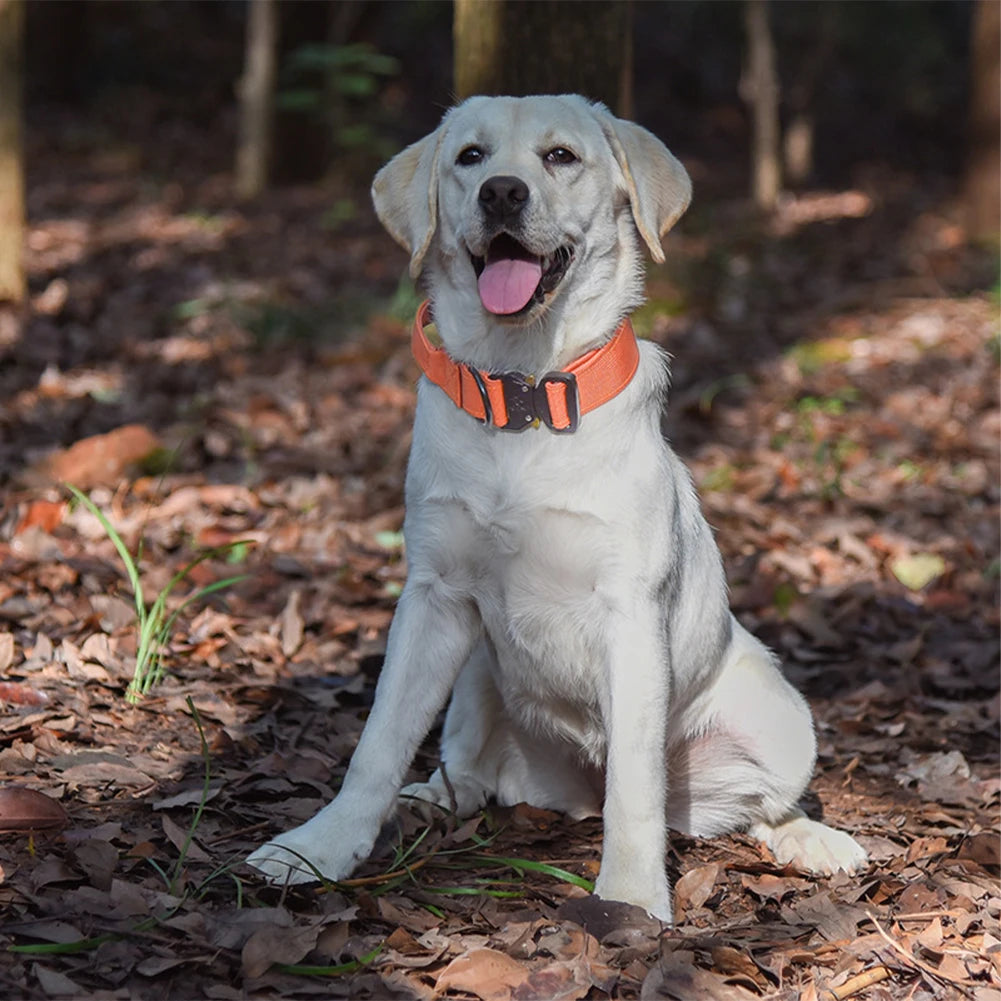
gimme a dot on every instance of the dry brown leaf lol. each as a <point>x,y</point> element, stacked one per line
<point>6,651</point>
<point>272,944</point>
<point>29,810</point>
<point>768,886</point>
<point>835,921</point>
<point>101,459</point>
<point>564,980</point>
<point>18,694</point>
<point>56,984</point>
<point>736,964</point>
<point>695,887</point>
<point>178,837</point>
<point>44,514</point>
<point>98,860</point>
<point>677,978</point>
<point>487,973</point>
<point>292,625</point>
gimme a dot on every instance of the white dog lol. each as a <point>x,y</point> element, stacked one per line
<point>563,585</point>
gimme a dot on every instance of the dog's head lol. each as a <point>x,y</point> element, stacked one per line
<point>516,204</point>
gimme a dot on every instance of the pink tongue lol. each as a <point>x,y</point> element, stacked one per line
<point>507,285</point>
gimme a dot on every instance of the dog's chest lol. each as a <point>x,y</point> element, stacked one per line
<point>541,578</point>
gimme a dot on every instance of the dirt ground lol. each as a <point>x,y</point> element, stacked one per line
<point>835,394</point>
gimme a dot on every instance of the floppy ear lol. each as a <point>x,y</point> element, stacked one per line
<point>659,187</point>
<point>405,194</point>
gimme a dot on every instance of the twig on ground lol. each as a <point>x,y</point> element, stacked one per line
<point>855,984</point>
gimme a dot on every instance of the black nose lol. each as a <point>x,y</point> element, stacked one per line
<point>502,198</point>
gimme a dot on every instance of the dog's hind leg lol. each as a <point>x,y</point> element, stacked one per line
<point>745,761</point>
<point>487,755</point>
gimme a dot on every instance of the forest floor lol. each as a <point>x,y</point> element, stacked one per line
<point>835,394</point>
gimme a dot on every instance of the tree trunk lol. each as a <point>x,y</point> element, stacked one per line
<point>760,88</point>
<point>528,47</point>
<point>982,184</point>
<point>12,280</point>
<point>256,89</point>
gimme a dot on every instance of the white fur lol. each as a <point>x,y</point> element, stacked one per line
<point>565,589</point>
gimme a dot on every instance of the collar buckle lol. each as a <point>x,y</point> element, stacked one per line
<point>527,402</point>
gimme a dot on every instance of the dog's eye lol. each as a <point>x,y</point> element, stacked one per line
<point>469,156</point>
<point>560,155</point>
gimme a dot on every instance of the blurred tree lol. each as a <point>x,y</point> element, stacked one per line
<point>760,89</point>
<point>256,89</point>
<point>809,57</point>
<point>983,167</point>
<point>525,47</point>
<point>12,280</point>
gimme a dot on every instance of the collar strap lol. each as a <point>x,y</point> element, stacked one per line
<point>512,401</point>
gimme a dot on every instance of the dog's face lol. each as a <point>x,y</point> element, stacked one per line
<point>516,204</point>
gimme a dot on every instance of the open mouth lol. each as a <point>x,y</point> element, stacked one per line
<point>511,279</point>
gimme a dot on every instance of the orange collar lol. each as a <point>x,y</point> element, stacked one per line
<point>512,401</point>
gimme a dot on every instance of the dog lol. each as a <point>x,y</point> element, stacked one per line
<point>563,586</point>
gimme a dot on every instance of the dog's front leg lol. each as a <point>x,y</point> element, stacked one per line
<point>635,712</point>
<point>430,638</point>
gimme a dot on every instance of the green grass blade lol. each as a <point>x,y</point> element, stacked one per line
<point>331,971</point>
<point>61,948</point>
<point>127,559</point>
<point>526,865</point>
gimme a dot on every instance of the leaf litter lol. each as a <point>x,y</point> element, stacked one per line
<point>844,439</point>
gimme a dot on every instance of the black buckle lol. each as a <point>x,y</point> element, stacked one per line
<point>527,403</point>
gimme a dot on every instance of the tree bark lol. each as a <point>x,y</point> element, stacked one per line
<point>982,184</point>
<point>256,90</point>
<point>523,47</point>
<point>761,90</point>
<point>12,278</point>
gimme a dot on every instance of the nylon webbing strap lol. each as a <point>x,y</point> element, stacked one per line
<point>511,400</point>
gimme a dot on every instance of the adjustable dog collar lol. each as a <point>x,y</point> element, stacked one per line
<point>513,401</point>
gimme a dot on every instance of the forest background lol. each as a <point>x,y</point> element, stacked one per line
<point>203,328</point>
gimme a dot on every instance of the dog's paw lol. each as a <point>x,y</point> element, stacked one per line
<point>808,844</point>
<point>461,796</point>
<point>654,898</point>
<point>307,855</point>
<point>425,799</point>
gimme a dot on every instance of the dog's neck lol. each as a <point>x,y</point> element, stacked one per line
<point>551,342</point>
<point>517,401</point>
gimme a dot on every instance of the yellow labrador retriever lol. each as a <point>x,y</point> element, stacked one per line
<point>563,585</point>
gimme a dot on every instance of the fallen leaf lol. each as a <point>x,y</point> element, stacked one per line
<point>6,651</point>
<point>56,984</point>
<point>178,837</point>
<point>29,810</point>
<point>275,944</point>
<point>43,514</point>
<point>695,887</point>
<point>100,459</point>
<point>487,973</point>
<point>292,625</point>
<point>16,693</point>
<point>98,860</point>
<point>918,570</point>
<point>564,980</point>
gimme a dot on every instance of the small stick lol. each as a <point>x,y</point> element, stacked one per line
<point>925,915</point>
<point>382,877</point>
<point>857,983</point>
